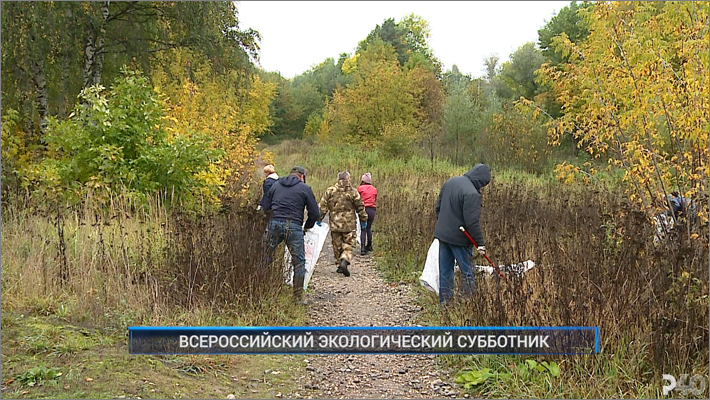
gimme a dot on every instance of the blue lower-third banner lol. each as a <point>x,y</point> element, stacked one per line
<point>364,340</point>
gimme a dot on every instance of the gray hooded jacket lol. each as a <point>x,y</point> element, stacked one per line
<point>459,204</point>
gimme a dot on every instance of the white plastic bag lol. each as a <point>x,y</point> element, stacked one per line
<point>358,230</point>
<point>430,275</point>
<point>313,242</point>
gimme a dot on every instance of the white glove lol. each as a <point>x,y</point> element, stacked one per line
<point>258,208</point>
<point>481,250</point>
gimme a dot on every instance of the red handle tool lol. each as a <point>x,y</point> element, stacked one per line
<point>461,228</point>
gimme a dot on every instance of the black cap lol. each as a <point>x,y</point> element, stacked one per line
<point>299,169</point>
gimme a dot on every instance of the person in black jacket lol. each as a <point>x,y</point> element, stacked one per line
<point>459,204</point>
<point>288,197</point>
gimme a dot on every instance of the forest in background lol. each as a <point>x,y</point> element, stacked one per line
<point>607,91</point>
<point>160,97</point>
<point>133,134</point>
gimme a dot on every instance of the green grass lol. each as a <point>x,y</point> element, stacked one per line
<point>48,357</point>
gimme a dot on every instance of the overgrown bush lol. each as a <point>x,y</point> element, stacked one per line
<point>597,265</point>
<point>220,259</point>
<point>397,141</point>
<point>115,140</point>
<point>515,139</point>
<point>14,154</point>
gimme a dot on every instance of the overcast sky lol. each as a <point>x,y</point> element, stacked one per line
<point>295,35</point>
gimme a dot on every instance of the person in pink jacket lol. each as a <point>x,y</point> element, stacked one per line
<point>369,196</point>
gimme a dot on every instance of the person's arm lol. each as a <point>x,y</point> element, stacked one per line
<point>438,203</point>
<point>312,207</point>
<point>471,217</point>
<point>268,198</point>
<point>266,186</point>
<point>323,206</point>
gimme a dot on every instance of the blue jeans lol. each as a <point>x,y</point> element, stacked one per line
<point>447,254</point>
<point>292,234</point>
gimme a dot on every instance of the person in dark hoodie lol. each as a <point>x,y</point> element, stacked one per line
<point>288,198</point>
<point>459,204</point>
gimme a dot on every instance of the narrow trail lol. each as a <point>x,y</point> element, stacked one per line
<point>365,299</point>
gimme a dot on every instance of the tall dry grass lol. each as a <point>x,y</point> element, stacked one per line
<point>220,259</point>
<point>117,262</point>
<point>597,264</point>
<point>97,257</point>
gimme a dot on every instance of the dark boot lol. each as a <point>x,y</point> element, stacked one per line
<point>368,248</point>
<point>344,267</point>
<point>363,251</point>
<point>298,294</point>
<point>339,270</point>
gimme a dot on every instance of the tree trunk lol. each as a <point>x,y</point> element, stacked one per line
<point>65,99</point>
<point>94,50</point>
<point>40,83</point>
<point>99,65</point>
<point>457,145</point>
<point>89,59</point>
<point>41,86</point>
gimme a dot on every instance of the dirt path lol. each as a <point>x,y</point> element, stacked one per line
<point>365,299</point>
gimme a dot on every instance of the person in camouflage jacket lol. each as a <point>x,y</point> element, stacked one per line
<point>343,202</point>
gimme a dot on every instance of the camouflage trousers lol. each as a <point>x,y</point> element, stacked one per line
<point>343,243</point>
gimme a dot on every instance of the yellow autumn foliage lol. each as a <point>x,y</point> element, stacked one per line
<point>233,115</point>
<point>636,93</point>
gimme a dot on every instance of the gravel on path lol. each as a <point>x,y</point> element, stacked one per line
<point>366,299</point>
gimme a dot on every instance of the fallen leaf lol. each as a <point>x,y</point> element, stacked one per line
<point>89,379</point>
<point>9,381</point>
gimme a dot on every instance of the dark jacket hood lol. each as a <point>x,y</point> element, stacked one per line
<point>291,180</point>
<point>480,175</point>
